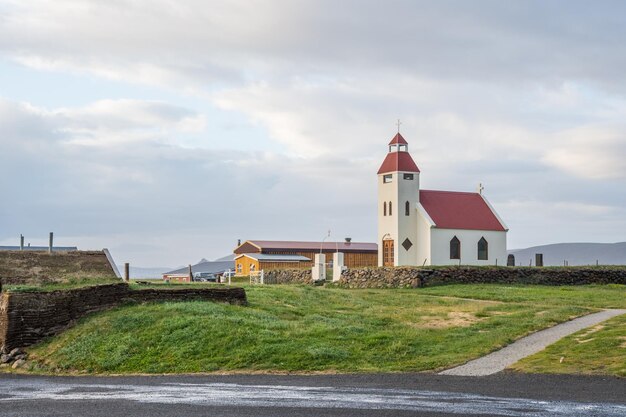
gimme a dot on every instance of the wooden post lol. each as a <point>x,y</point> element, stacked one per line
<point>538,259</point>
<point>190,274</point>
<point>126,272</point>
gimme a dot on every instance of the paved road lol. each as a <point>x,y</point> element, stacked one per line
<point>397,395</point>
<point>529,345</point>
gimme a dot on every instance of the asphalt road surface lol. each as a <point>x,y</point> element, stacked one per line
<point>503,394</point>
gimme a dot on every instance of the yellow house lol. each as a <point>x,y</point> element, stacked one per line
<point>251,262</point>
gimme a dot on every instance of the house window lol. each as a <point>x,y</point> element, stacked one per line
<point>239,268</point>
<point>252,267</point>
<point>408,176</point>
<point>407,209</point>
<point>390,211</point>
<point>385,208</point>
<point>387,178</point>
<point>483,249</point>
<point>455,248</point>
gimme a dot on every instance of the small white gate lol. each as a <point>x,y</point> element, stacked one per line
<point>257,277</point>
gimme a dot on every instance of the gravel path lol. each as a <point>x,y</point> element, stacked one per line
<point>526,346</point>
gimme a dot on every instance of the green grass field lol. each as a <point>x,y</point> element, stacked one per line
<point>316,329</point>
<point>600,350</point>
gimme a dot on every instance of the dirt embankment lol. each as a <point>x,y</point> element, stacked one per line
<point>18,268</point>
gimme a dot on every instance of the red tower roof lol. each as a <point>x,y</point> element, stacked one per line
<point>456,210</point>
<point>398,161</point>
<point>398,140</point>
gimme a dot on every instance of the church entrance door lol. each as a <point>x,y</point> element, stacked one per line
<point>388,252</point>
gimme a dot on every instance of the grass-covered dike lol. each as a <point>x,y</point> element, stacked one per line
<point>316,329</point>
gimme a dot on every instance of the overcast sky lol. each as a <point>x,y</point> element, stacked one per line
<point>166,130</point>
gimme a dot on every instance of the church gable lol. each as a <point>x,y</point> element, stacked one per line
<point>459,210</point>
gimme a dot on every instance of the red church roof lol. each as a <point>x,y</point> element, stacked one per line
<point>398,140</point>
<point>398,161</point>
<point>457,210</point>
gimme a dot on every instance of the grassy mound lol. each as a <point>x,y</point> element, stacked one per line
<point>312,329</point>
<point>599,350</point>
<point>47,269</point>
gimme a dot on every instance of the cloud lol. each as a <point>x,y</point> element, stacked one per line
<point>591,152</point>
<point>527,98</point>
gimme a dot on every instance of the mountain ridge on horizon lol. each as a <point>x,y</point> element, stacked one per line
<point>574,253</point>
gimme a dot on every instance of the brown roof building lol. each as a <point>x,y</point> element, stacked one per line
<point>277,254</point>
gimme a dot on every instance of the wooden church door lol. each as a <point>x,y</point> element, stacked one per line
<point>387,252</point>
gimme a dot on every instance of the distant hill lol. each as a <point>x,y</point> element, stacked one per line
<point>574,254</point>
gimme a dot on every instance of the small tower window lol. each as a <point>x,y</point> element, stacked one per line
<point>407,209</point>
<point>455,248</point>
<point>408,176</point>
<point>483,249</point>
<point>387,178</point>
<point>385,208</point>
<point>390,210</point>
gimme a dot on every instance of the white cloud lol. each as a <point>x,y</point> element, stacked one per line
<point>528,98</point>
<point>591,152</point>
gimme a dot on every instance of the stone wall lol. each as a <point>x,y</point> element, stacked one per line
<point>28,317</point>
<point>288,276</point>
<point>411,277</point>
<point>384,277</point>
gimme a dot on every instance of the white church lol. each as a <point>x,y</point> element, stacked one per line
<point>428,227</point>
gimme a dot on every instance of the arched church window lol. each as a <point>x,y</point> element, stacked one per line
<point>483,249</point>
<point>407,209</point>
<point>390,210</point>
<point>385,208</point>
<point>455,248</point>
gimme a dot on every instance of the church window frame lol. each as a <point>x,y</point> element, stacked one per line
<point>239,268</point>
<point>384,208</point>
<point>407,209</point>
<point>408,177</point>
<point>390,209</point>
<point>387,178</point>
<point>455,248</point>
<point>483,249</point>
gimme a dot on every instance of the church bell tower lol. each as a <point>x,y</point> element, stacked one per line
<point>398,195</point>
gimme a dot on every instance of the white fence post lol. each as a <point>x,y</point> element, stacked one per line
<point>319,267</point>
<point>337,266</point>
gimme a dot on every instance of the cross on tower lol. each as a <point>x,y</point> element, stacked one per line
<point>480,188</point>
<point>398,123</point>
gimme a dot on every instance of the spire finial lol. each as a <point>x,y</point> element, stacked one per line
<point>398,123</point>
<point>480,188</point>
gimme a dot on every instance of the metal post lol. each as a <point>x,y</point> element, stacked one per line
<point>50,244</point>
<point>126,272</point>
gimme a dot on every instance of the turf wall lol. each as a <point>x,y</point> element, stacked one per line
<point>28,317</point>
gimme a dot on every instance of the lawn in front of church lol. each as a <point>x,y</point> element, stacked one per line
<point>316,329</point>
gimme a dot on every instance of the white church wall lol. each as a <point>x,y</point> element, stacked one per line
<point>408,191</point>
<point>397,225</point>
<point>440,246</point>
<point>424,224</point>
<point>387,225</point>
